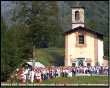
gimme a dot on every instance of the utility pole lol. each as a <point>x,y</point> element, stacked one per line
<point>34,53</point>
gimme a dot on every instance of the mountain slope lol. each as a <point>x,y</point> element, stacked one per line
<point>97,10</point>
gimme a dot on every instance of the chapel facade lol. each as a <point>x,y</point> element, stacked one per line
<point>83,46</point>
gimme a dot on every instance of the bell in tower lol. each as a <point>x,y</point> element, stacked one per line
<point>77,16</point>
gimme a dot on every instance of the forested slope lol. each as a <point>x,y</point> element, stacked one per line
<point>97,10</point>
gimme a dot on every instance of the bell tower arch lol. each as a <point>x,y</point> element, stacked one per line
<point>77,16</point>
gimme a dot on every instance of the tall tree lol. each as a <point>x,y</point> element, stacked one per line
<point>19,37</point>
<point>38,15</point>
<point>7,52</point>
<point>15,48</point>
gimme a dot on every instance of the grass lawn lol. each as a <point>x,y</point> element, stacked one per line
<point>75,80</point>
<point>79,80</point>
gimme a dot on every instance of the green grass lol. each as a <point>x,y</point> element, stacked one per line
<point>79,80</point>
<point>75,80</point>
<point>49,55</point>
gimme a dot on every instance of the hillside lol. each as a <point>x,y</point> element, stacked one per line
<point>97,10</point>
<point>49,56</point>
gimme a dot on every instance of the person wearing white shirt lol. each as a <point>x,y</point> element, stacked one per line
<point>84,70</point>
<point>69,73</point>
<point>32,75</point>
<point>58,72</point>
<point>38,74</point>
<point>25,74</point>
<point>44,72</point>
<point>29,74</point>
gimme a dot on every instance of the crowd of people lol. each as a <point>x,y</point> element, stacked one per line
<point>40,74</point>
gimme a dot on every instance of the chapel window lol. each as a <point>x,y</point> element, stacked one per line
<point>81,39</point>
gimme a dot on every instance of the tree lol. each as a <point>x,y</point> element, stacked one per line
<point>21,42</point>
<point>92,24</point>
<point>15,48</point>
<point>42,19</point>
<point>7,52</point>
<point>38,15</point>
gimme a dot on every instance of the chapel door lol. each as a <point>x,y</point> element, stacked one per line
<point>80,61</point>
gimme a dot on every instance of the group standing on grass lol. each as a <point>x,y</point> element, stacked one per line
<point>40,74</point>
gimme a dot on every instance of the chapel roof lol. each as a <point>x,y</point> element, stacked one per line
<point>83,28</point>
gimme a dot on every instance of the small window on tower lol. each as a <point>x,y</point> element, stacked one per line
<point>81,39</point>
<point>77,16</point>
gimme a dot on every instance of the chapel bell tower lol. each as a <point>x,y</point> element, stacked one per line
<point>77,16</point>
